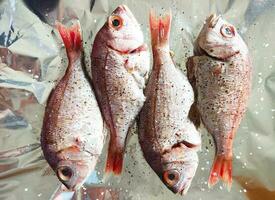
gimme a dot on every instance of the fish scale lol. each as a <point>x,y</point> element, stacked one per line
<point>120,66</point>
<point>220,73</point>
<point>168,139</point>
<point>72,134</point>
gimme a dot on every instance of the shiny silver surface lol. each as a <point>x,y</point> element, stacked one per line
<point>33,60</point>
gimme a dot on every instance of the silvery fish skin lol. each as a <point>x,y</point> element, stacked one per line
<point>120,66</point>
<point>220,73</point>
<point>168,139</point>
<point>72,134</point>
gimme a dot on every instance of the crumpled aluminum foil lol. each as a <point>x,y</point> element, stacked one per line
<point>32,61</point>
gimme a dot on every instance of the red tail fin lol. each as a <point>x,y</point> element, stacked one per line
<point>222,168</point>
<point>160,29</point>
<point>72,39</point>
<point>114,160</point>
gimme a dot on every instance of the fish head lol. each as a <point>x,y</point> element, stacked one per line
<point>179,166</point>
<point>73,167</point>
<point>122,31</point>
<point>220,39</point>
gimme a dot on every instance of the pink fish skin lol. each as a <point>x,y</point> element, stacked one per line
<point>220,73</point>
<point>168,139</point>
<point>120,65</point>
<point>72,135</point>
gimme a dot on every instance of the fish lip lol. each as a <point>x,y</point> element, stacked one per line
<point>213,20</point>
<point>178,190</point>
<point>72,188</point>
<point>139,49</point>
<point>185,187</point>
<point>204,52</point>
<point>181,188</point>
<point>68,187</point>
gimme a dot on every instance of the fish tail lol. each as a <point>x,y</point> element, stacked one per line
<point>160,29</point>
<point>72,39</point>
<point>221,169</point>
<point>114,159</point>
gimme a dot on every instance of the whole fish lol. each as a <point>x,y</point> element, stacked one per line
<point>72,134</point>
<point>120,65</point>
<point>220,73</point>
<point>168,139</point>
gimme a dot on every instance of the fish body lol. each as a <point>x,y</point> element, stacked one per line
<point>220,73</point>
<point>120,66</point>
<point>168,139</point>
<point>72,134</point>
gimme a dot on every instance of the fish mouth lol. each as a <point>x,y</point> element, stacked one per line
<point>139,49</point>
<point>181,189</point>
<point>201,52</point>
<point>185,187</point>
<point>74,187</point>
<point>213,20</point>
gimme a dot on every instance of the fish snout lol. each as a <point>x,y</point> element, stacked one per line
<point>121,9</point>
<point>124,7</point>
<point>178,174</point>
<point>186,183</point>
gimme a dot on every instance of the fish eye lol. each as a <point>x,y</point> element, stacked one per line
<point>171,177</point>
<point>227,31</point>
<point>65,173</point>
<point>115,22</point>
